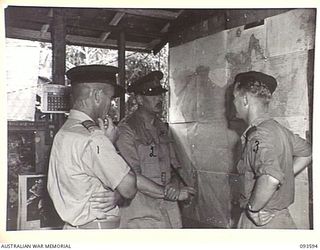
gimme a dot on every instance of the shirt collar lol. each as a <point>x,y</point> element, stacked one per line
<point>147,124</point>
<point>79,115</point>
<point>255,122</point>
<point>260,119</point>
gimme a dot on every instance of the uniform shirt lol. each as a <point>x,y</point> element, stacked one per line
<point>268,148</point>
<point>147,147</point>
<point>149,151</point>
<point>81,163</point>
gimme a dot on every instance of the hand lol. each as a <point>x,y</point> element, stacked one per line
<point>171,192</point>
<point>105,200</point>
<point>260,218</point>
<point>109,129</point>
<point>186,193</point>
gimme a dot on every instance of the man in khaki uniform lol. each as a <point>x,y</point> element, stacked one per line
<point>271,156</point>
<point>83,161</point>
<point>145,145</point>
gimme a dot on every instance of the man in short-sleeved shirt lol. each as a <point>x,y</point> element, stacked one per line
<point>271,156</point>
<point>145,144</point>
<point>83,160</point>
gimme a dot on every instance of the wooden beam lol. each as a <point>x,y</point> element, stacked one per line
<point>162,14</point>
<point>153,43</point>
<point>109,28</point>
<point>58,35</point>
<point>238,17</point>
<point>165,28</point>
<point>70,21</point>
<point>96,42</point>
<point>45,27</point>
<point>35,35</point>
<point>160,45</point>
<point>114,22</point>
<point>89,24</point>
<point>122,70</point>
<point>157,44</point>
<point>117,18</point>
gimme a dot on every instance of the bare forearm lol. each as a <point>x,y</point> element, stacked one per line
<point>299,163</point>
<point>127,187</point>
<point>149,187</point>
<point>264,188</point>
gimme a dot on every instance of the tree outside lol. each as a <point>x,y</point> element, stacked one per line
<point>136,65</point>
<point>140,64</point>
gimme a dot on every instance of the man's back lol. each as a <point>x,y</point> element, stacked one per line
<point>271,149</point>
<point>82,163</point>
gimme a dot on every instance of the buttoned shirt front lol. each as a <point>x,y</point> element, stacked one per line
<point>81,163</point>
<point>269,148</point>
<point>148,149</point>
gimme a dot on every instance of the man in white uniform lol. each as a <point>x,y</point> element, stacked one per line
<point>83,160</point>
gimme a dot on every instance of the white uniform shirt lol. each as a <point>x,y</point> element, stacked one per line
<point>81,163</point>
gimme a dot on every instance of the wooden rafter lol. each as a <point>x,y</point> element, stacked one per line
<point>81,23</point>
<point>46,26</point>
<point>114,22</point>
<point>162,14</point>
<point>156,42</point>
<point>144,29</point>
<point>165,28</point>
<point>35,35</point>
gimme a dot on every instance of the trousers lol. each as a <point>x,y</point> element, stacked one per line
<point>146,212</point>
<point>281,220</point>
<point>110,223</point>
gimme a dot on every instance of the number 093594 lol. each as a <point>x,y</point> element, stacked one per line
<point>308,246</point>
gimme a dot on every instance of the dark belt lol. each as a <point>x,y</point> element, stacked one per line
<point>113,222</point>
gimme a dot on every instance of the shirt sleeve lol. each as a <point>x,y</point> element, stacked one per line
<point>102,161</point>
<point>264,156</point>
<point>300,146</point>
<point>173,156</point>
<point>126,146</point>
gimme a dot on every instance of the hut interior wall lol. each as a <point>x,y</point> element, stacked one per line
<point>202,119</point>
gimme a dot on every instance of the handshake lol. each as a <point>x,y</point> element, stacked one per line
<point>176,193</point>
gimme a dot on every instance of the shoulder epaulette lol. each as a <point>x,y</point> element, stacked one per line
<point>90,125</point>
<point>250,131</point>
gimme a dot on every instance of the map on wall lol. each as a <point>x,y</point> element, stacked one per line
<point>201,78</point>
<point>261,49</point>
<point>197,89</point>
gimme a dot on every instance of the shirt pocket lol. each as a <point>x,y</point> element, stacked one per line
<point>149,161</point>
<point>148,153</point>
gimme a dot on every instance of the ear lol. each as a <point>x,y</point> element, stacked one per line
<point>97,95</point>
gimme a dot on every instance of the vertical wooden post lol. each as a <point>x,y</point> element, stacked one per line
<point>58,38</point>
<point>122,71</point>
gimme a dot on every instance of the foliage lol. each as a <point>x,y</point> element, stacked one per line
<point>136,65</point>
<point>139,64</point>
<point>79,55</point>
